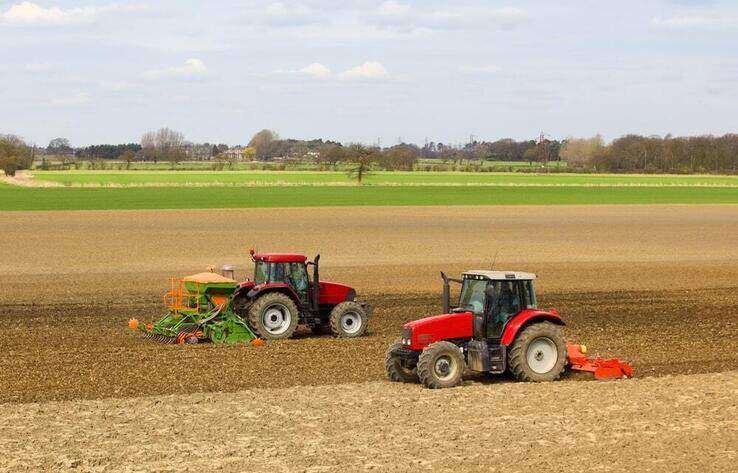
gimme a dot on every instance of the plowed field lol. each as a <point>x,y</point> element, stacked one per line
<point>654,285</point>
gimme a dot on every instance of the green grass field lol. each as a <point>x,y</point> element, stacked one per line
<point>417,178</point>
<point>100,198</point>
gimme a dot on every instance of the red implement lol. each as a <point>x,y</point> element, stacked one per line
<point>602,369</point>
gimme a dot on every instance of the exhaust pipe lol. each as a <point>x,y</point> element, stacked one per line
<point>446,294</point>
<point>316,283</point>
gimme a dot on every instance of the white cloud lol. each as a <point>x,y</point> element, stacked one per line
<point>367,70</point>
<point>281,14</point>
<point>694,22</point>
<point>191,69</point>
<point>391,8</point>
<point>403,17</point>
<point>316,69</point>
<point>38,67</point>
<point>77,100</point>
<point>508,12</point>
<point>30,14</point>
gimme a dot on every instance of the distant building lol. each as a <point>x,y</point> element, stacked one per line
<point>235,152</point>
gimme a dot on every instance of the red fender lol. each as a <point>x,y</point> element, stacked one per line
<point>279,287</point>
<point>529,315</point>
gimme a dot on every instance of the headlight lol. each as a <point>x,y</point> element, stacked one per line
<point>407,336</point>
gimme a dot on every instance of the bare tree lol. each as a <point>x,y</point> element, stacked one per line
<point>15,154</point>
<point>59,146</point>
<point>332,154</point>
<point>580,151</point>
<point>263,143</point>
<point>164,144</point>
<point>363,158</point>
<point>400,157</point>
<point>128,156</point>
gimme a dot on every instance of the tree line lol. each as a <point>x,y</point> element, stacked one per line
<point>630,153</point>
<point>653,154</point>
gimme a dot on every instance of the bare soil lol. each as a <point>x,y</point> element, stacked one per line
<point>683,423</point>
<point>653,285</point>
<point>83,351</point>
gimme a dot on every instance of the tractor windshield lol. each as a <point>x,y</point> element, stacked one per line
<point>261,272</point>
<point>472,295</point>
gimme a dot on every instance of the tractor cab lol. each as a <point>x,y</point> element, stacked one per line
<point>284,268</point>
<point>494,298</point>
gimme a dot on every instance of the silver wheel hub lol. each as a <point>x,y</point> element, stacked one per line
<point>350,322</point>
<point>444,367</point>
<point>277,319</point>
<point>542,355</point>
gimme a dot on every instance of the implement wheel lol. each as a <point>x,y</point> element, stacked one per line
<point>273,316</point>
<point>348,319</point>
<point>441,365</point>
<point>395,370</point>
<point>538,353</point>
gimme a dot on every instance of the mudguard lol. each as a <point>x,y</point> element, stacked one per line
<point>525,317</point>
<point>259,289</point>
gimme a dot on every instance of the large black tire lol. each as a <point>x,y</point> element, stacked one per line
<point>241,305</point>
<point>538,353</point>
<point>441,365</point>
<point>273,316</point>
<point>394,369</point>
<point>348,319</point>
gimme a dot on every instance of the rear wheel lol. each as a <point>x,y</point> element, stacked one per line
<point>441,365</point>
<point>538,353</point>
<point>395,370</point>
<point>348,319</point>
<point>273,316</point>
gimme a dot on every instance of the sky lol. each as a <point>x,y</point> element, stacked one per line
<point>367,71</point>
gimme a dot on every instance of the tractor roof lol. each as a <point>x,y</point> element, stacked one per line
<point>280,257</point>
<point>500,275</point>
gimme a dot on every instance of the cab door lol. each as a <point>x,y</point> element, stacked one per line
<point>299,280</point>
<point>506,303</point>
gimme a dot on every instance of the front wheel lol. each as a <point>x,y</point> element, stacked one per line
<point>395,369</point>
<point>273,316</point>
<point>441,365</point>
<point>348,319</point>
<point>538,353</point>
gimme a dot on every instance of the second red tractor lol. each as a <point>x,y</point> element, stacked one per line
<point>495,327</point>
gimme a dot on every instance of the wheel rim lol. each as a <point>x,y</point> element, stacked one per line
<point>277,319</point>
<point>350,322</point>
<point>542,355</point>
<point>444,367</point>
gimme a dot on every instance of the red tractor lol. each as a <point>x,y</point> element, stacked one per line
<point>282,295</point>
<point>495,327</point>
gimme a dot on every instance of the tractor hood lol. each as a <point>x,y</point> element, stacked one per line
<point>332,293</point>
<point>423,332</point>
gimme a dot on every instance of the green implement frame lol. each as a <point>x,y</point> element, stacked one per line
<point>200,309</point>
